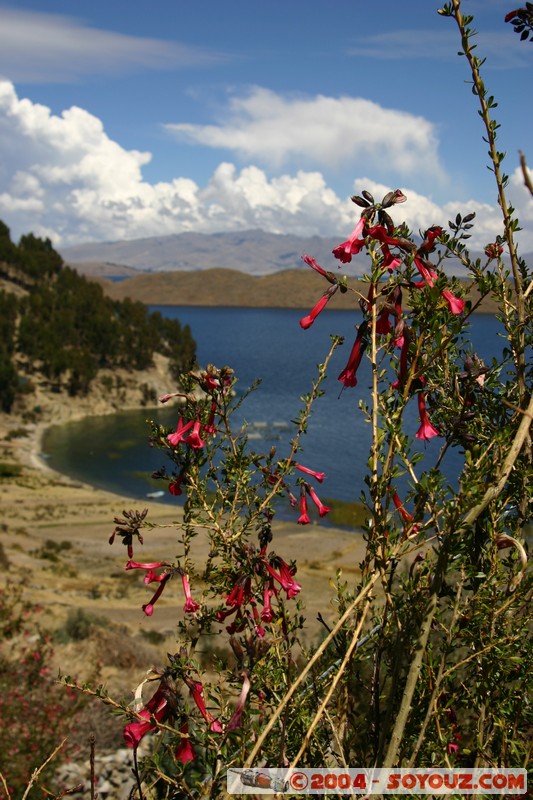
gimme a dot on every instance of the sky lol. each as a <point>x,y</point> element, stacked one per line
<point>121,120</point>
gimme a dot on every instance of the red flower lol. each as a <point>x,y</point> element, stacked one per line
<point>455,304</point>
<point>284,577</point>
<point>307,321</point>
<point>428,274</point>
<point>174,487</point>
<point>310,261</point>
<point>426,430</point>
<point>148,565</point>
<point>155,708</point>
<point>184,751</point>
<point>353,245</point>
<point>268,591</point>
<point>347,376</point>
<point>403,363</point>
<point>428,245</point>
<point>175,438</point>
<point>190,605</point>
<point>318,476</point>
<point>148,608</point>
<point>194,439</point>
<point>240,594</point>
<point>322,509</point>
<point>197,689</point>
<point>259,630</point>
<point>210,427</point>
<point>304,518</point>
<point>236,718</point>
<point>383,326</point>
<point>222,615</point>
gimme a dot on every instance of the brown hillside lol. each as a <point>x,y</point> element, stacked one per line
<point>296,288</point>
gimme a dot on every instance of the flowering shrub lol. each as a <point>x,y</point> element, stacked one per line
<point>36,712</point>
<point>428,660</point>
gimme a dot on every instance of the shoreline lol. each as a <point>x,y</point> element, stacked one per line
<point>42,506</point>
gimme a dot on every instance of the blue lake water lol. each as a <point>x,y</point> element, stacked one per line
<point>112,452</point>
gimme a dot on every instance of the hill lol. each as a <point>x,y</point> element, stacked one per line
<point>297,288</point>
<point>59,331</point>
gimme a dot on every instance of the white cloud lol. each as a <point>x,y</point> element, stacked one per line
<point>39,47</point>
<point>63,177</point>
<point>329,132</point>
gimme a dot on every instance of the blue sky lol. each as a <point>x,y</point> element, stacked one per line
<point>127,119</point>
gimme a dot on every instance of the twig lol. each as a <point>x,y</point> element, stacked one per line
<point>37,772</point>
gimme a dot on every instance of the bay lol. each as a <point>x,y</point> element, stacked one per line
<point>113,452</point>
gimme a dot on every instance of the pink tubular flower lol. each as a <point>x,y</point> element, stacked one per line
<point>403,362</point>
<point>455,304</point>
<point>405,515</point>
<point>259,630</point>
<point>194,439</point>
<point>175,438</point>
<point>197,692</point>
<point>210,427</point>
<point>322,509</point>
<point>190,605</point>
<point>378,232</point>
<point>236,718</point>
<point>426,430</point>
<point>240,594</point>
<point>267,613</point>
<point>223,615</point>
<point>152,577</point>
<point>311,262</point>
<point>318,476</point>
<point>353,245</point>
<point>428,274</point>
<point>184,751</point>
<point>429,239</point>
<point>148,608</point>
<point>156,707</point>
<point>304,518</point>
<point>348,375</point>
<point>174,487</point>
<point>307,321</point>
<point>383,326</point>
<point>284,577</point>
<point>389,261</point>
<point>164,398</point>
<point>147,565</point>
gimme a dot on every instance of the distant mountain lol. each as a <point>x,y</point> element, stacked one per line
<point>253,252</point>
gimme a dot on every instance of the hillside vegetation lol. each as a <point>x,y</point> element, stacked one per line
<point>58,325</point>
<point>294,288</point>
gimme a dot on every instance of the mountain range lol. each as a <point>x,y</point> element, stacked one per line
<point>254,252</point>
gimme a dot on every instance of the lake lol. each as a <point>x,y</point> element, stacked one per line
<point>112,452</point>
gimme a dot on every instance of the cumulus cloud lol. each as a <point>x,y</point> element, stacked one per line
<point>329,132</point>
<point>63,177</point>
<point>39,47</point>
